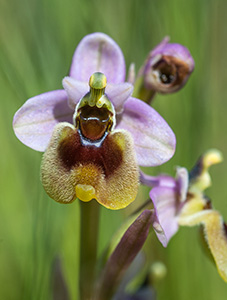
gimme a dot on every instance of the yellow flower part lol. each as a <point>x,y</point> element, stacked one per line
<point>215,233</point>
<point>198,210</point>
<point>203,180</point>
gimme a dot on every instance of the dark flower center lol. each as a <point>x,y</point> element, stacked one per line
<point>94,123</point>
<point>167,71</point>
<point>95,115</point>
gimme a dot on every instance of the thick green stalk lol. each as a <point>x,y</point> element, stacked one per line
<point>141,92</point>
<point>89,222</point>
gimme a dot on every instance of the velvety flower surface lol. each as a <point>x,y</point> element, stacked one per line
<point>182,202</point>
<point>168,67</point>
<point>34,122</point>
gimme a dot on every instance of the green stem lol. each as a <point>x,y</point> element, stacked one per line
<point>145,205</point>
<point>141,92</point>
<point>89,221</point>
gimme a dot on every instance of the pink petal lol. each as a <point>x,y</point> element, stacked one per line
<point>183,183</point>
<point>162,180</point>
<point>97,52</point>
<point>34,122</point>
<point>154,140</point>
<point>160,46</point>
<point>75,90</point>
<point>165,222</point>
<point>118,94</point>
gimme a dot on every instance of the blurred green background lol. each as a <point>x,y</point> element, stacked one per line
<point>37,41</point>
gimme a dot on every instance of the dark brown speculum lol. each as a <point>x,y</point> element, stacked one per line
<point>72,153</point>
<point>93,123</point>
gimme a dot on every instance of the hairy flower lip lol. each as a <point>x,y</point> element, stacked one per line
<point>71,170</point>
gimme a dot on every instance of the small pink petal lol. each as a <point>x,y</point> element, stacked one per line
<point>160,46</point>
<point>183,182</point>
<point>162,180</point>
<point>165,204</point>
<point>75,90</point>
<point>118,94</point>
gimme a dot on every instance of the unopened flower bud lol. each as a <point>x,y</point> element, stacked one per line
<point>158,272</point>
<point>166,69</point>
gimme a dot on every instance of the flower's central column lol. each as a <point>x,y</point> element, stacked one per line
<point>95,115</point>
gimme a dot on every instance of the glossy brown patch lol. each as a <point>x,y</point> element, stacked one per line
<point>94,122</point>
<point>172,70</point>
<point>72,153</point>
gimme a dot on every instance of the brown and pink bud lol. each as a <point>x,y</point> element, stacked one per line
<point>167,67</point>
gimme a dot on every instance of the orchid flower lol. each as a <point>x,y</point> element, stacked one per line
<point>93,132</point>
<point>181,201</point>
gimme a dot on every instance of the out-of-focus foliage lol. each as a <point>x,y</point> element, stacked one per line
<point>37,41</point>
